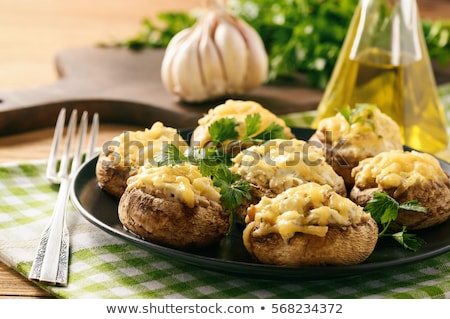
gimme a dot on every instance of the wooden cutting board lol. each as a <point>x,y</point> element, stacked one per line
<point>125,87</point>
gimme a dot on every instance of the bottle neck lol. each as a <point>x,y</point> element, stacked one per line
<point>390,26</point>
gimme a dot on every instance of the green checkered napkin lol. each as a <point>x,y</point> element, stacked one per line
<point>103,266</point>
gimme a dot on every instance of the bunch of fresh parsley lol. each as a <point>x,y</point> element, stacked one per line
<point>302,36</point>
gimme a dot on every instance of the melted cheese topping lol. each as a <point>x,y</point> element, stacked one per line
<point>135,148</point>
<point>281,164</point>
<point>309,208</point>
<point>239,110</point>
<point>370,133</point>
<point>184,182</point>
<point>398,169</point>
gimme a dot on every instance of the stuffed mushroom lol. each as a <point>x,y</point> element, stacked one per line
<point>405,176</point>
<point>350,137</point>
<point>309,225</point>
<point>130,150</point>
<point>173,206</point>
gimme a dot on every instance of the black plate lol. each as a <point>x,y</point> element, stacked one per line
<point>230,255</point>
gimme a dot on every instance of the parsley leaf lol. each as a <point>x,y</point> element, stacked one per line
<point>408,241</point>
<point>273,131</point>
<point>223,129</point>
<point>414,206</point>
<point>170,155</point>
<point>252,124</point>
<point>346,112</point>
<point>232,188</point>
<point>384,210</point>
<point>356,115</point>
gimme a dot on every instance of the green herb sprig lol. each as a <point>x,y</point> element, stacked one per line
<point>224,130</point>
<point>355,115</point>
<point>384,210</point>
<point>232,188</point>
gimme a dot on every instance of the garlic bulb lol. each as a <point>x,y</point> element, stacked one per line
<point>218,56</point>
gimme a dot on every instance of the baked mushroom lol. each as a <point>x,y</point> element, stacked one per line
<point>173,206</point>
<point>130,150</point>
<point>405,176</point>
<point>309,225</point>
<point>277,165</point>
<point>353,135</point>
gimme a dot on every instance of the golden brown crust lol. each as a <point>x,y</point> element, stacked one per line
<point>341,246</point>
<point>432,195</point>
<point>167,221</point>
<point>112,178</point>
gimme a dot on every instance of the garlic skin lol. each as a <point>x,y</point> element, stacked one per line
<point>219,55</point>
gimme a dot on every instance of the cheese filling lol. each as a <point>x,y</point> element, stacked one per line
<point>184,182</point>
<point>398,169</point>
<point>309,208</point>
<point>135,148</point>
<point>281,164</point>
<point>369,132</point>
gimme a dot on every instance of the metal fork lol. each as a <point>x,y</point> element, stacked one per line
<point>51,262</point>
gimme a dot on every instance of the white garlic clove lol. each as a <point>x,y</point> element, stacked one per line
<point>186,72</point>
<point>210,61</point>
<point>258,62</point>
<point>171,51</point>
<point>233,51</point>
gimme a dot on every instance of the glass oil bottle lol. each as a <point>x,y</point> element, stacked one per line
<point>384,61</point>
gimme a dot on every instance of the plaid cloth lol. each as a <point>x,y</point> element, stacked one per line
<point>103,266</point>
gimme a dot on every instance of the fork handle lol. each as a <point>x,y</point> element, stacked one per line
<point>57,243</point>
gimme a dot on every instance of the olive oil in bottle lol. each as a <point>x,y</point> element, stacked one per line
<point>384,61</point>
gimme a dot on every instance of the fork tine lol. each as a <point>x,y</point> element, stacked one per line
<point>64,166</point>
<point>76,161</point>
<point>51,172</point>
<point>93,135</point>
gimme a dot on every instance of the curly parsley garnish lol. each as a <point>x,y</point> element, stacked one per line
<point>224,130</point>
<point>384,210</point>
<point>232,188</point>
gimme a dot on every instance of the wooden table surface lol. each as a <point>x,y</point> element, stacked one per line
<point>33,31</point>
